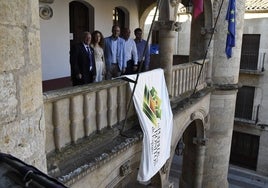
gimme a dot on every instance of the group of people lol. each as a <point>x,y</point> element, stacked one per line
<point>97,58</point>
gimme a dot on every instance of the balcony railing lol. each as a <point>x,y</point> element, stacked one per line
<point>185,77</point>
<point>251,118</point>
<point>77,112</point>
<point>252,62</point>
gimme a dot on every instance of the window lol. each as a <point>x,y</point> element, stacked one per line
<point>120,17</point>
<point>250,52</point>
<point>244,102</point>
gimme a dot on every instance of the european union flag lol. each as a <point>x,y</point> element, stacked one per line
<point>230,17</point>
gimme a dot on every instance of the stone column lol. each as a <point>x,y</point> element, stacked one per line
<point>166,51</point>
<point>193,161</point>
<point>199,163</point>
<point>167,26</point>
<point>22,127</point>
<point>225,74</point>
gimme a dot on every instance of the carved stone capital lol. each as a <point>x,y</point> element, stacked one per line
<point>125,169</point>
<point>201,114</point>
<point>200,141</point>
<point>167,25</point>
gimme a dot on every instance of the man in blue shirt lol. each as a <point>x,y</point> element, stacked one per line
<point>141,44</point>
<point>114,54</point>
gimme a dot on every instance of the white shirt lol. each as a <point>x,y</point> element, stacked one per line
<point>131,51</point>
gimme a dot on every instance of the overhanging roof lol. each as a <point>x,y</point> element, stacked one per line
<point>257,6</point>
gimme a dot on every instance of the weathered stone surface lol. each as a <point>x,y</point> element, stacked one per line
<point>34,49</point>
<point>11,48</point>
<point>34,15</point>
<point>25,139</point>
<point>8,100</point>
<point>30,91</point>
<point>14,12</point>
<point>22,130</point>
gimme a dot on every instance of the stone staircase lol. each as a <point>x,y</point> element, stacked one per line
<point>239,177</point>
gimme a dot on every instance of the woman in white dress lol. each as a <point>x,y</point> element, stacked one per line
<point>97,44</point>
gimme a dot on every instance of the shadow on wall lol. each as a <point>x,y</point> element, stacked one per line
<point>177,59</point>
<point>59,83</point>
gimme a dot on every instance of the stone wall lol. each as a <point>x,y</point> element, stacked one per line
<point>22,130</point>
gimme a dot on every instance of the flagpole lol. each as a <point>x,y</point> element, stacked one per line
<point>205,55</point>
<point>139,69</point>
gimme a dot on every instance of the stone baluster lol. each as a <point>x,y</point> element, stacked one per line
<point>56,125</point>
<point>101,109</point>
<point>112,106</point>
<point>86,111</point>
<point>73,119</point>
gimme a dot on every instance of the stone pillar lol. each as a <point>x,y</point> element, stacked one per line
<point>199,164</point>
<point>167,25</point>
<point>225,74</point>
<point>22,127</point>
<point>193,162</point>
<point>166,51</point>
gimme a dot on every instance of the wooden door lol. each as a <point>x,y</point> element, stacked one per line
<point>81,16</point>
<point>244,150</point>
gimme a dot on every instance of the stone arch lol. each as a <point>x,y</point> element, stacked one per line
<point>144,15</point>
<point>193,154</point>
<point>195,131</point>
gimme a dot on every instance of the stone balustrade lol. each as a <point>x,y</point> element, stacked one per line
<point>185,77</point>
<point>77,112</point>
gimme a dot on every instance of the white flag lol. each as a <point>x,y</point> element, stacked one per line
<point>155,116</point>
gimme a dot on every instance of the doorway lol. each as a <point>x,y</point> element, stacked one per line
<point>81,18</point>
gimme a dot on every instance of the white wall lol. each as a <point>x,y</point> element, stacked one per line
<point>55,41</point>
<point>260,26</point>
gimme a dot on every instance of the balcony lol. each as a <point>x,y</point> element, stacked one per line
<point>247,116</point>
<point>86,118</point>
<point>252,63</point>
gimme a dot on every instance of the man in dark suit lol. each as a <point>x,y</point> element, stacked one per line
<point>82,61</point>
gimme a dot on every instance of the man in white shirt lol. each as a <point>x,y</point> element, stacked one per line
<point>131,55</point>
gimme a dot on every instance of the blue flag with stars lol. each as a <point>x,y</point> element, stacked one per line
<point>230,17</point>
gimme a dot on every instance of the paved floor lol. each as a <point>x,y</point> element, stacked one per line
<point>237,177</point>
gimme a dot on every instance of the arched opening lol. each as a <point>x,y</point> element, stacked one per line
<point>81,18</point>
<point>182,42</point>
<point>187,166</point>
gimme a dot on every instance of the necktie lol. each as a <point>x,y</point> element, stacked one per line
<point>90,58</point>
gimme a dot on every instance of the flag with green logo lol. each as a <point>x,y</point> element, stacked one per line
<point>152,105</point>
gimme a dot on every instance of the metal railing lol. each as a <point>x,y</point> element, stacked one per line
<point>246,117</point>
<point>252,61</point>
